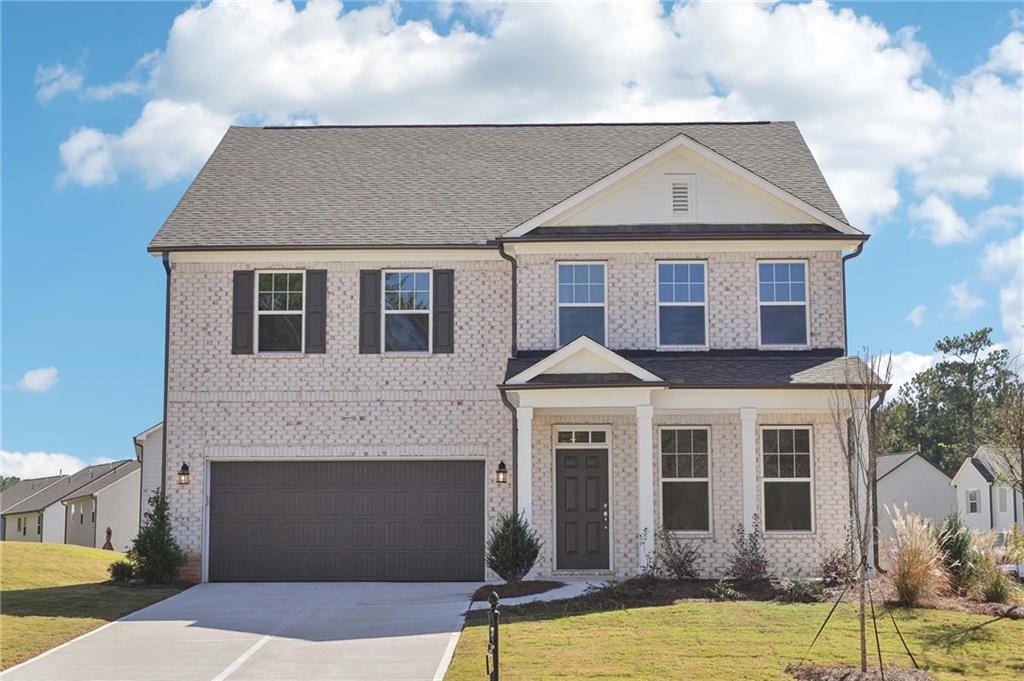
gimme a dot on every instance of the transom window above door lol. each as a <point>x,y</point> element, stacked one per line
<point>582,437</point>
<point>581,302</point>
<point>682,302</point>
<point>279,311</point>
<point>407,311</point>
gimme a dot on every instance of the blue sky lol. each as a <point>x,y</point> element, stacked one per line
<point>913,109</point>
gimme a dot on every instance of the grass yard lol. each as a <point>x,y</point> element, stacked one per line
<point>51,593</point>
<point>732,640</point>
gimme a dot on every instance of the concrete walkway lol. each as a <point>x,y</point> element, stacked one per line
<point>307,632</point>
<point>571,588</point>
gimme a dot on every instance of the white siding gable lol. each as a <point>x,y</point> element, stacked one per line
<point>712,195</point>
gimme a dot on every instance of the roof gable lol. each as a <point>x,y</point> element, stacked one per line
<point>682,144</point>
<point>584,357</point>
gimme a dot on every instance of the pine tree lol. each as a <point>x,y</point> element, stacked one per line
<point>155,554</point>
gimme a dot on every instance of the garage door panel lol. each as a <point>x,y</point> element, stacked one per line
<point>346,520</point>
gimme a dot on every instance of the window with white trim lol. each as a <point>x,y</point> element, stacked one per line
<point>407,310</point>
<point>782,302</point>
<point>685,479</point>
<point>581,437</point>
<point>39,524</point>
<point>972,500</point>
<point>581,301</point>
<point>786,479</point>
<point>1002,500</point>
<point>280,303</point>
<point>19,525</point>
<point>682,304</point>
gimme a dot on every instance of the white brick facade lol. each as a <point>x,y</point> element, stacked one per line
<point>632,306</point>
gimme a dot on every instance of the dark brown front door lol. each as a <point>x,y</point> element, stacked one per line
<point>346,520</point>
<point>581,477</point>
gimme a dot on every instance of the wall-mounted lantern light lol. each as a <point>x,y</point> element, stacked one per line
<point>502,474</point>
<point>183,474</point>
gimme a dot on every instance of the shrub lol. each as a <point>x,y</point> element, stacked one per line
<point>991,584</point>
<point>838,567</point>
<point>121,570</point>
<point>800,591</point>
<point>672,559</point>
<point>747,562</point>
<point>722,590</point>
<point>155,555</point>
<point>995,587</point>
<point>513,547</point>
<point>917,568</point>
<point>957,554</point>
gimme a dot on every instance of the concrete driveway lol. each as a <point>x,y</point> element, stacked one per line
<point>307,632</point>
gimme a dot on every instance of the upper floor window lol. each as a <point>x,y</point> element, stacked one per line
<point>786,468</point>
<point>682,302</point>
<point>407,311</point>
<point>279,311</point>
<point>782,296</point>
<point>685,480</point>
<point>972,500</point>
<point>581,301</point>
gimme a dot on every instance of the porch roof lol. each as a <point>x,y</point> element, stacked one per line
<point>825,368</point>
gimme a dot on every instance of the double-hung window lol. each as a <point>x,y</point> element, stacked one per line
<point>581,301</point>
<point>782,298</point>
<point>685,479</point>
<point>972,500</point>
<point>682,304</point>
<point>407,310</point>
<point>787,495</point>
<point>280,301</point>
<point>39,524</point>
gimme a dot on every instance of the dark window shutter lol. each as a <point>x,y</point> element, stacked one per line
<point>369,311</point>
<point>316,311</point>
<point>242,312</point>
<point>444,311</point>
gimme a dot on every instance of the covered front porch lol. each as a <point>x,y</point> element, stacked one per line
<point>609,453</point>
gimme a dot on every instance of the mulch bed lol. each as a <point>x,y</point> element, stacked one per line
<point>883,591</point>
<point>515,589</point>
<point>809,672</point>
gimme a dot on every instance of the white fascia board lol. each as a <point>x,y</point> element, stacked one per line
<point>681,246</point>
<point>412,254</point>
<point>680,141</point>
<point>965,468</point>
<point>570,399</point>
<point>147,432</point>
<point>582,344</point>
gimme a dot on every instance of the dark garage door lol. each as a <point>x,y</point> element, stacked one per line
<point>347,520</point>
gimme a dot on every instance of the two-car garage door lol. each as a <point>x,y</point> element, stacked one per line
<point>346,520</point>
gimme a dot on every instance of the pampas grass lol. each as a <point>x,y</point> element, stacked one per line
<point>916,562</point>
<point>992,584</point>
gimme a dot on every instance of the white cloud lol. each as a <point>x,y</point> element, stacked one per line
<point>963,301</point>
<point>27,465</point>
<point>1007,259</point>
<point>1003,216</point>
<point>905,365</point>
<point>53,80</point>
<point>38,380</point>
<point>916,316</point>
<point>855,88</point>
<point>941,221</point>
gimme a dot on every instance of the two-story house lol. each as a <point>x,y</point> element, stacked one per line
<point>379,338</point>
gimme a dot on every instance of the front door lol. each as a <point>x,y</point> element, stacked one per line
<point>581,477</point>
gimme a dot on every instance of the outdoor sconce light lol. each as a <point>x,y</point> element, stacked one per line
<point>502,475</point>
<point>183,474</point>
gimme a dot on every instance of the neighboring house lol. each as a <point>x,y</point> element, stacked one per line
<point>111,502</point>
<point>986,503</point>
<point>149,448</point>
<point>14,495</point>
<point>43,515</point>
<point>908,480</point>
<point>381,338</point>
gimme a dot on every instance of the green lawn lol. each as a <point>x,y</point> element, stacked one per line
<point>748,640</point>
<point>51,593</point>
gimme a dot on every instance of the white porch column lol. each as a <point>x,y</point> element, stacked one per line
<point>748,440</point>
<point>645,481</point>
<point>524,462</point>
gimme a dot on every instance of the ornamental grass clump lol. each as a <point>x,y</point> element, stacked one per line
<point>991,584</point>
<point>916,562</point>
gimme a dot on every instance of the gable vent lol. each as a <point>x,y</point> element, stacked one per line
<point>680,198</point>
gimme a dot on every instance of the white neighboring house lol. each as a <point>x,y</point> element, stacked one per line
<point>111,502</point>
<point>984,502</point>
<point>908,478</point>
<point>149,449</point>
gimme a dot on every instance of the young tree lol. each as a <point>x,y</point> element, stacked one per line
<point>155,554</point>
<point>853,405</point>
<point>1008,440</point>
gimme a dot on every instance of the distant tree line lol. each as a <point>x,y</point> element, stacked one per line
<point>973,396</point>
<point>8,481</point>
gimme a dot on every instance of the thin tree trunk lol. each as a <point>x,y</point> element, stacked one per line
<point>863,619</point>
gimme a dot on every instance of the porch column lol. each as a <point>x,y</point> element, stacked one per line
<point>524,463</point>
<point>645,481</point>
<point>748,440</point>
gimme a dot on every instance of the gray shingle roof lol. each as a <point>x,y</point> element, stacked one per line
<point>727,368</point>
<point>122,471</point>
<point>23,489</point>
<point>64,489</point>
<point>438,185</point>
